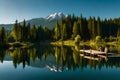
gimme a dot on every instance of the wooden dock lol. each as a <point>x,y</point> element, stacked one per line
<point>100,55</point>
<point>97,55</point>
<point>94,52</point>
<point>90,57</point>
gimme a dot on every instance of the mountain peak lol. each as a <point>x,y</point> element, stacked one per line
<point>55,16</point>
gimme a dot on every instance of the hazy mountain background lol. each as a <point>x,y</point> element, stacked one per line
<point>49,21</point>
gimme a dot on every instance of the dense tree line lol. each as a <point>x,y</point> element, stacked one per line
<point>66,28</point>
<point>25,33</point>
<point>88,29</point>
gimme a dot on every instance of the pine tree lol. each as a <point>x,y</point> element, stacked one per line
<point>64,33</point>
<point>57,31</point>
<point>33,33</point>
<point>118,32</point>
<point>69,26</point>
<point>46,33</point>
<point>2,36</point>
<point>90,26</point>
<point>28,32</point>
<point>19,32</point>
<point>76,29</point>
<point>40,34</point>
<point>24,35</point>
<point>94,29</point>
<point>86,35</point>
<point>81,24</point>
<point>98,27</point>
<point>15,31</point>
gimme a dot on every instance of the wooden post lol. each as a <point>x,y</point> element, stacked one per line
<point>106,50</point>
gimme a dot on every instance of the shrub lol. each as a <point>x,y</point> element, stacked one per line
<point>77,39</point>
<point>98,38</point>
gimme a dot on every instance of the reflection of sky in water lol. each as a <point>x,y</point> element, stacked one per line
<point>7,71</point>
<point>46,68</point>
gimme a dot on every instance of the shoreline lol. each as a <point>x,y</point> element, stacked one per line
<point>55,43</point>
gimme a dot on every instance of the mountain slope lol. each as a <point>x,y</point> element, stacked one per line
<point>49,21</point>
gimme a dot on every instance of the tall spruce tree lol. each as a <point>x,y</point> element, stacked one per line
<point>2,35</point>
<point>15,31</point>
<point>33,33</point>
<point>24,35</point>
<point>64,33</point>
<point>118,32</point>
<point>57,31</point>
<point>98,27</point>
<point>94,29</point>
<point>76,29</point>
<point>28,32</point>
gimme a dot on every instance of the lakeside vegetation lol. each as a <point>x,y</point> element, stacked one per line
<point>71,30</point>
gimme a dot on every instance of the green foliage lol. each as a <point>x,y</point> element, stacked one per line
<point>57,31</point>
<point>33,33</point>
<point>2,36</point>
<point>111,39</point>
<point>26,33</point>
<point>67,28</point>
<point>98,38</point>
<point>64,33</point>
<point>118,40</point>
<point>77,39</point>
<point>118,32</point>
<point>16,31</point>
<point>98,26</point>
<point>76,29</point>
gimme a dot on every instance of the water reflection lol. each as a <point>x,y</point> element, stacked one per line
<point>55,58</point>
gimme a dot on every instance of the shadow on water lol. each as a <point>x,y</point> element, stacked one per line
<point>57,58</point>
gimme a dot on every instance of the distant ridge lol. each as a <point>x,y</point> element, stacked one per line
<point>49,21</point>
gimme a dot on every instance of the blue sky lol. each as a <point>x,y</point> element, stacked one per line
<point>10,10</point>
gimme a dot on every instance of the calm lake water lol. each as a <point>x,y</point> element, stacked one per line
<point>55,63</point>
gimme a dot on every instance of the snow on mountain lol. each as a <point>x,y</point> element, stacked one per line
<point>55,16</point>
<point>49,21</point>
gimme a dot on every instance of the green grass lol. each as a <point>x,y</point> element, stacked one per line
<point>91,43</point>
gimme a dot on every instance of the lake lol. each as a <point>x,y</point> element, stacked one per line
<point>56,63</point>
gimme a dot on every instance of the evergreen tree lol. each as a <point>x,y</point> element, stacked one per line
<point>24,30</point>
<point>69,26</point>
<point>33,33</point>
<point>40,34</point>
<point>81,24</point>
<point>46,33</point>
<point>90,26</point>
<point>75,30</point>
<point>28,32</point>
<point>86,35</point>
<point>118,32</point>
<point>98,27</point>
<point>19,32</point>
<point>15,31</point>
<point>64,33</point>
<point>57,31</point>
<point>2,36</point>
<point>94,29</point>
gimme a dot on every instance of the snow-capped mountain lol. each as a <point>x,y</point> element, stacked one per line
<point>49,21</point>
<point>55,16</point>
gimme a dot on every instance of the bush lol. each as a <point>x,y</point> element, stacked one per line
<point>98,38</point>
<point>77,39</point>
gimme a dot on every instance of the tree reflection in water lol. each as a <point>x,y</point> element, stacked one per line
<point>65,57</point>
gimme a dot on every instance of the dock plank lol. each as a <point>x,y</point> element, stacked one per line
<point>95,52</point>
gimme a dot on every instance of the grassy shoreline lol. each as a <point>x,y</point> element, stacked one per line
<point>72,43</point>
<point>55,43</point>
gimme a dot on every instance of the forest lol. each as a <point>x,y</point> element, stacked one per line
<point>67,28</point>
